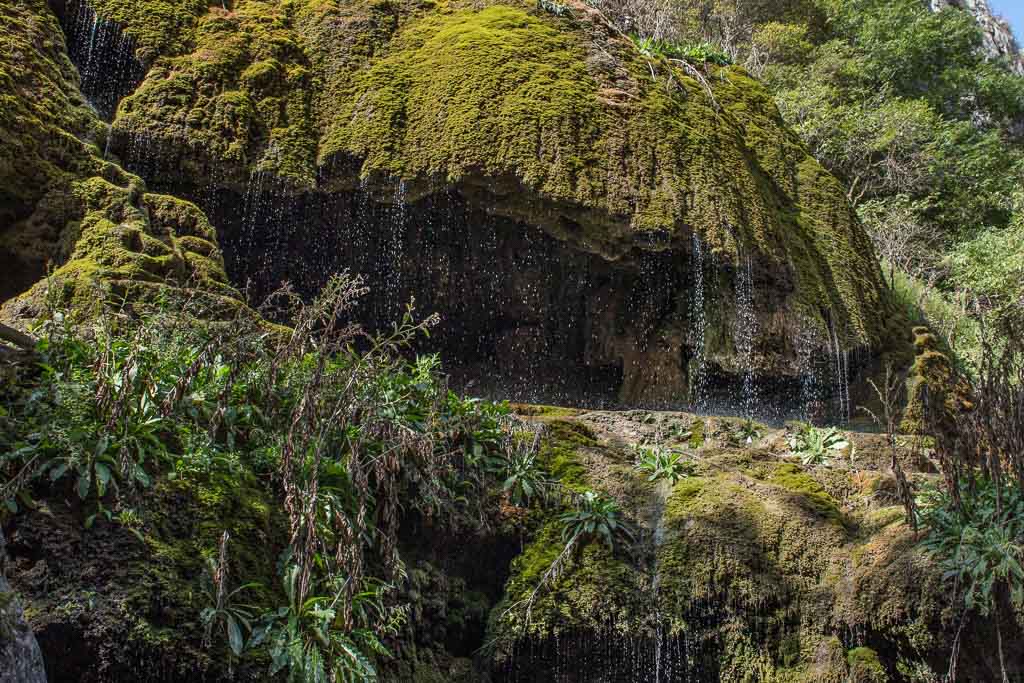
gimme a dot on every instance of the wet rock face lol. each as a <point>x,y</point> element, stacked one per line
<point>615,183</point>
<point>21,661</point>
<point>104,55</point>
<point>753,568</point>
<point>527,316</point>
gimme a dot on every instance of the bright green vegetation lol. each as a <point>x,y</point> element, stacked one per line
<point>902,106</point>
<point>979,543</point>
<point>594,516</point>
<point>701,53</point>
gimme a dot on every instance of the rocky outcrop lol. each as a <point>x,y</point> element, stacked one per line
<point>75,228</point>
<point>755,567</point>
<point>562,200</point>
<point>21,661</point>
<point>999,41</point>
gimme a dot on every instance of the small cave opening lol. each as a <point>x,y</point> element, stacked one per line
<point>523,316</point>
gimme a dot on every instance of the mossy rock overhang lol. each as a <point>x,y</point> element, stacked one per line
<point>552,122</point>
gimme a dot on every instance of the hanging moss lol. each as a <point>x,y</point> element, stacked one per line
<point>158,27</point>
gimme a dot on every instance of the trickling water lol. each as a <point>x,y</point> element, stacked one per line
<point>745,332</point>
<point>841,375</point>
<point>807,345</point>
<point>699,323</point>
<point>104,55</point>
<point>662,492</point>
<point>393,250</point>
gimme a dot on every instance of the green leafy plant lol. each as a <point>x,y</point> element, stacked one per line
<point>738,435</point>
<point>749,431</point>
<point>663,463</point>
<point>980,543</point>
<point>311,640</point>
<point>350,431</point>
<point>817,446</point>
<point>524,477</point>
<point>700,53</point>
<point>223,609</point>
<point>555,8</point>
<point>595,516</point>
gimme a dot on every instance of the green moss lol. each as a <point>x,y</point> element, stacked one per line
<point>811,493</point>
<point>596,590</point>
<point>865,667</point>
<point>933,381</point>
<point>502,99</point>
<point>697,436</point>
<point>543,412</point>
<point>559,452</point>
<point>159,27</point>
<point>476,85</point>
<point>239,100</point>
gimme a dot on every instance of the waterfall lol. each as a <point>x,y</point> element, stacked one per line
<point>662,492</point>
<point>393,251</point>
<point>745,332</point>
<point>21,661</point>
<point>104,55</point>
<point>699,324</point>
<point>806,346</point>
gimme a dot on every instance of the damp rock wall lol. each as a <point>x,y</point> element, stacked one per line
<point>755,567</point>
<point>21,660</point>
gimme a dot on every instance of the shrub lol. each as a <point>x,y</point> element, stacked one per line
<point>980,543</point>
<point>347,430</point>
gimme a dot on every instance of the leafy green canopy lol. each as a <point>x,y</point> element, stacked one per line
<point>901,103</point>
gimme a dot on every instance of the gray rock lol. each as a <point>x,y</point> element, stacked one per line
<point>20,658</point>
